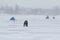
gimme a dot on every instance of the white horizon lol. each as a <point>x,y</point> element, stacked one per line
<point>31,3</point>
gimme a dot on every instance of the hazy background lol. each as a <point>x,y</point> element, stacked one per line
<point>32,3</point>
<point>36,7</point>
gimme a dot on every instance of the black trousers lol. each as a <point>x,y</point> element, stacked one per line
<point>25,25</point>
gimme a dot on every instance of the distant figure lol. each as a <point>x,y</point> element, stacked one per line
<point>25,23</point>
<point>12,19</point>
<point>47,17</point>
<point>53,17</point>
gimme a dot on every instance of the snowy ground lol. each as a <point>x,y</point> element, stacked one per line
<point>39,28</point>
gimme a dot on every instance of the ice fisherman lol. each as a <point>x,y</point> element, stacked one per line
<point>53,17</point>
<point>47,17</point>
<point>25,23</point>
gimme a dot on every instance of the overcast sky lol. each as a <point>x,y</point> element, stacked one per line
<point>32,3</point>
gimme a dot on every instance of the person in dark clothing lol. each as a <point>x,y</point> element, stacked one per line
<point>53,17</point>
<point>47,17</point>
<point>25,23</point>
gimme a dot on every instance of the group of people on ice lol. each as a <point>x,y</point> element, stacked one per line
<point>48,17</point>
<point>25,22</point>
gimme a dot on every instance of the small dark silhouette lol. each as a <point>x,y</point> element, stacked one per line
<point>47,17</point>
<point>13,19</point>
<point>53,17</point>
<point>25,23</point>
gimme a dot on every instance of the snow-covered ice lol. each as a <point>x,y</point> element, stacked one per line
<point>39,27</point>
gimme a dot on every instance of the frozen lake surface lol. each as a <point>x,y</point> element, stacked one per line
<point>39,28</point>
